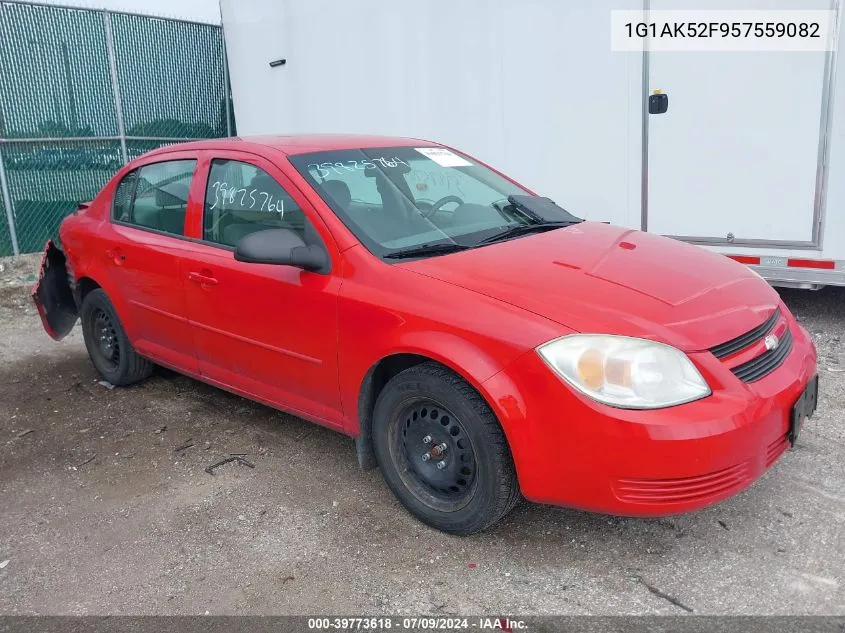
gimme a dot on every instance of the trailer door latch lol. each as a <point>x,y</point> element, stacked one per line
<point>658,102</point>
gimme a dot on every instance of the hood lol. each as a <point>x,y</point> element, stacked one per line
<point>599,278</point>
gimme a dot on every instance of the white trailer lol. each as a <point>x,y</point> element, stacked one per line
<point>749,159</point>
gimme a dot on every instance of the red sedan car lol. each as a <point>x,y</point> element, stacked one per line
<point>479,342</point>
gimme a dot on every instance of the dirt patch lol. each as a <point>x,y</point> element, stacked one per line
<point>19,270</point>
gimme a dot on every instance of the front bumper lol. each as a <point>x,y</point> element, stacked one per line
<point>572,451</point>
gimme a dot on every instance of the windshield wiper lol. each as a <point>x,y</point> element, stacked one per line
<point>542,209</point>
<point>424,250</point>
<point>522,229</point>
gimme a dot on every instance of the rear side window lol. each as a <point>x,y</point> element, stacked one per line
<point>241,199</point>
<point>123,196</point>
<point>156,196</point>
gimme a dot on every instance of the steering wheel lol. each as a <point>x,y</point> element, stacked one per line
<point>439,204</point>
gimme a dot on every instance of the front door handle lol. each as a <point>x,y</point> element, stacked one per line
<point>204,278</point>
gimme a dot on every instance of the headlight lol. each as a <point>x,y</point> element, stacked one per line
<point>621,371</point>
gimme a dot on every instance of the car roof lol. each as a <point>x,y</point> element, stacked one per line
<point>296,144</point>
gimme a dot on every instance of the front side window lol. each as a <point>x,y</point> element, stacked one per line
<point>394,198</point>
<point>155,196</point>
<point>241,198</point>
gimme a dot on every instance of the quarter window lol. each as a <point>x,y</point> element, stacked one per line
<point>156,196</point>
<point>241,199</point>
<point>123,196</point>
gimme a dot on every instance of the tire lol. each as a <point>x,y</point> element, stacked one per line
<point>428,407</point>
<point>107,343</point>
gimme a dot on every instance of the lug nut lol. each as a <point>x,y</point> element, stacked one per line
<point>426,457</point>
<point>442,447</point>
<point>427,439</point>
<point>441,465</point>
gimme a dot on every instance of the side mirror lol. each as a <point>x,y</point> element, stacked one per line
<point>282,247</point>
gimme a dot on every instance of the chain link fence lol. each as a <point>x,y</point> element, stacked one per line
<point>82,92</point>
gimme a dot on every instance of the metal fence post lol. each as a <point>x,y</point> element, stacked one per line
<point>7,203</point>
<point>226,87</point>
<point>118,107</point>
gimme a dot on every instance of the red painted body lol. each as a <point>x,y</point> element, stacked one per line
<point>304,342</point>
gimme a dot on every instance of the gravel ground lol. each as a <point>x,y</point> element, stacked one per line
<point>100,514</point>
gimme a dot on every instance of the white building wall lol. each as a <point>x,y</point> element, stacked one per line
<point>529,86</point>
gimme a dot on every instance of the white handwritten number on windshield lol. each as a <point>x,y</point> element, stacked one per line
<point>325,169</point>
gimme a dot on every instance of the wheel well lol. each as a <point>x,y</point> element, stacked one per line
<point>83,287</point>
<point>375,380</point>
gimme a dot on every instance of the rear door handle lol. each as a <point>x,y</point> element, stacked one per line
<point>203,278</point>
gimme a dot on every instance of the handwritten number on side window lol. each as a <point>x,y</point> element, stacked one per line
<point>224,194</point>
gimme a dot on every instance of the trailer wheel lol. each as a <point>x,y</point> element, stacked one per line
<point>107,343</point>
<point>442,451</point>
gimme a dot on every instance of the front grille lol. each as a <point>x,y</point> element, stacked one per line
<point>766,362</point>
<point>682,489</point>
<point>749,338</point>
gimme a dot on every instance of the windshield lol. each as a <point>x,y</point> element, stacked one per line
<point>398,198</point>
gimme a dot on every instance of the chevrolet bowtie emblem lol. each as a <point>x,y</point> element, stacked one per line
<point>771,342</point>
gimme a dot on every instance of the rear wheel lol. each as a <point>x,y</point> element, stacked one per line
<point>107,343</point>
<point>442,450</point>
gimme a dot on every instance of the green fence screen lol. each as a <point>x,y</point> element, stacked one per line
<point>82,92</point>
<point>5,239</point>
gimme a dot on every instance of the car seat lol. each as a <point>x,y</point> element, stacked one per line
<point>171,206</point>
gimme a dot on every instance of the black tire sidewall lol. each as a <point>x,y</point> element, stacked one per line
<point>482,508</point>
<point>115,375</point>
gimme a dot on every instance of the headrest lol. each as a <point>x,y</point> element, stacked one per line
<point>265,182</point>
<point>399,168</point>
<point>338,191</point>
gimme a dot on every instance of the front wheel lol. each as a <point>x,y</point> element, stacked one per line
<point>442,450</point>
<point>107,343</point>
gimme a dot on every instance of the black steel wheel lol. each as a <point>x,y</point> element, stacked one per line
<point>103,332</point>
<point>435,453</point>
<point>107,343</point>
<point>442,451</point>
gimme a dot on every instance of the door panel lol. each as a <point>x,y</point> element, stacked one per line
<point>142,250</point>
<point>266,331</point>
<point>146,266</point>
<point>737,151</point>
<point>270,331</point>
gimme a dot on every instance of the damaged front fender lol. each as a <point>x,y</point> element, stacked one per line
<point>53,294</point>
